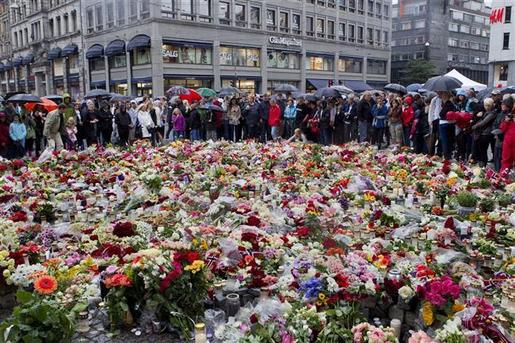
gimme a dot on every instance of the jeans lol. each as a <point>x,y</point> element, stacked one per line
<point>379,135</point>
<point>253,131</point>
<point>348,134</point>
<point>234,132</point>
<point>406,132</point>
<point>177,135</point>
<point>396,133</point>
<point>289,127</point>
<point>446,134</point>
<point>363,130</point>
<point>325,136</point>
<point>419,143</point>
<point>435,146</point>
<point>497,157</point>
<point>195,134</point>
<point>276,130</point>
<point>481,149</point>
<point>211,135</point>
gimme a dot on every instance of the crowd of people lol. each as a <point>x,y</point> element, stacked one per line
<point>455,126</point>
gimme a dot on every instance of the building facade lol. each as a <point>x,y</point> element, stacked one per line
<point>5,46</point>
<point>45,41</point>
<point>501,59</point>
<point>451,34</point>
<point>139,47</point>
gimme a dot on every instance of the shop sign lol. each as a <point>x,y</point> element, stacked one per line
<point>497,15</point>
<point>170,53</point>
<point>288,41</point>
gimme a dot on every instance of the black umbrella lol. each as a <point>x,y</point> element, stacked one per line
<point>442,84</point>
<point>414,87</point>
<point>211,107</point>
<point>286,88</point>
<point>55,98</point>
<point>396,88</point>
<point>97,93</point>
<point>24,98</point>
<point>120,97</point>
<point>342,89</point>
<point>327,92</point>
<point>228,91</point>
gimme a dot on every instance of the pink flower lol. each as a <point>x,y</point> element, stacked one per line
<point>376,335</point>
<point>420,337</point>
<point>435,299</point>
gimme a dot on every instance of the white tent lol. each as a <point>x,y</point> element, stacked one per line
<point>467,83</point>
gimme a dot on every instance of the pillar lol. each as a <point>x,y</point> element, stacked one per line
<point>364,75</point>
<point>303,59</point>
<point>217,84</point>
<point>65,75</point>
<point>107,74</point>
<point>264,67</point>
<point>16,76</point>
<point>156,55</point>
<point>335,76</point>
<point>129,73</point>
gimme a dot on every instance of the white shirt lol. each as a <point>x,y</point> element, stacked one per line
<point>159,112</point>
<point>435,107</point>
<point>146,123</point>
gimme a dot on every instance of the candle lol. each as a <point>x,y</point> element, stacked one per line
<point>395,324</point>
<point>200,333</point>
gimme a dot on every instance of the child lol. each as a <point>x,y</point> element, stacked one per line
<point>71,134</point>
<point>298,136</point>
<point>179,124</point>
<point>17,132</point>
<point>508,146</point>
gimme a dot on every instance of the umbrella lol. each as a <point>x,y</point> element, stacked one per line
<point>47,104</point>
<point>55,98</point>
<point>97,93</point>
<point>211,107</point>
<point>396,88</point>
<point>327,93</point>
<point>442,84</point>
<point>414,87</point>
<point>191,96</point>
<point>23,98</point>
<point>342,89</point>
<point>206,92</point>
<point>287,88</point>
<point>306,96</point>
<point>120,97</point>
<point>508,90</point>
<point>228,91</point>
<point>178,90</point>
<point>1,98</point>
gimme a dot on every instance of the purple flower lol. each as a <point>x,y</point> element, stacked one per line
<point>311,288</point>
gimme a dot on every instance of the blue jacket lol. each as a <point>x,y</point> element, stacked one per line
<point>17,131</point>
<point>380,115</point>
<point>290,112</point>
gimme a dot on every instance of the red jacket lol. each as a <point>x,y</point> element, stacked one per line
<point>508,128</point>
<point>274,115</point>
<point>407,116</point>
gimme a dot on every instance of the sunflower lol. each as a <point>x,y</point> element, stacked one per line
<point>45,284</point>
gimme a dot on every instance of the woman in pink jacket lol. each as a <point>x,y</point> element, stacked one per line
<point>274,119</point>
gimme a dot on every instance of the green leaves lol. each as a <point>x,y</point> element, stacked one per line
<point>24,297</point>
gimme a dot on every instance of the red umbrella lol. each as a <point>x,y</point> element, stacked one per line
<point>191,96</point>
<point>47,104</point>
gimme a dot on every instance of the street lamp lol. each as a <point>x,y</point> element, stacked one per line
<point>427,50</point>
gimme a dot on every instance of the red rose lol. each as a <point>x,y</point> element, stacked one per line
<point>124,229</point>
<point>449,223</point>
<point>19,216</point>
<point>191,256</point>
<point>253,318</point>
<point>170,277</point>
<point>302,231</point>
<point>253,221</point>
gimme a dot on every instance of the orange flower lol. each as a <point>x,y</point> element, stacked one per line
<point>45,284</point>
<point>37,274</point>
<point>335,251</point>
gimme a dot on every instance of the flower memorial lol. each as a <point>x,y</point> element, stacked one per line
<point>259,243</point>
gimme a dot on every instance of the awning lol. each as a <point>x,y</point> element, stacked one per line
<point>115,48</point>
<point>28,59</point>
<point>95,51</point>
<point>318,84</point>
<point>69,50</point>
<point>188,43</point>
<point>17,61</point>
<point>54,53</point>
<point>357,85</point>
<point>2,68</point>
<point>139,41</point>
<point>8,65</point>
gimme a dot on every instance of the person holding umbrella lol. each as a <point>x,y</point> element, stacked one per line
<point>54,127</point>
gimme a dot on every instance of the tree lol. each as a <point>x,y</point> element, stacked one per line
<point>417,71</point>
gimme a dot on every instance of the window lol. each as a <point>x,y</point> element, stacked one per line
<point>283,22</point>
<point>370,8</point>
<point>343,4</point>
<point>352,6</point>
<point>73,63</point>
<point>99,16</point>
<point>378,37</point>
<point>420,24</point>
<point>295,25</point>
<point>453,42</point>
<point>342,32</point>
<point>144,9</point>
<point>320,28</point>
<point>457,15</point>
<point>133,11</point>
<point>186,54</point>
<point>90,20</point>
<point>330,29</point>
<point>204,8</point>
<point>16,44</point>
<point>96,64</point>
<point>26,36</point>
<point>419,55</point>
<point>474,45</point>
<point>255,17</point>
<point>475,31</point>
<point>360,34</point>
<point>73,23</point>
<point>385,37</point>
<point>506,41</point>
<point>377,67</point>
<point>454,27</point>
<point>186,9</point>
<point>243,57</point>
<point>110,13</point>
<point>58,26</point>
<point>120,12</point>
<point>507,14</point>
<point>239,14</point>
<point>361,6</point>
<point>309,26</point>
<point>503,72</point>
<point>406,26</point>
<point>352,32</point>
<point>469,18</point>
<point>370,38</point>
<point>350,65</point>
<point>119,61</point>
<point>224,13</point>
<point>141,56</point>
<point>283,60</point>
<point>378,9</point>
<point>51,25</point>
<point>58,67</point>
<point>270,20</point>
<point>464,44</point>
<point>464,29</point>
<point>320,63</point>
<point>386,10</point>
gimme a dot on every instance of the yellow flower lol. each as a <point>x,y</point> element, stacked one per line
<point>322,299</point>
<point>369,197</point>
<point>204,245</point>
<point>195,267</point>
<point>427,313</point>
<point>402,174</point>
<point>457,307</point>
<point>452,181</point>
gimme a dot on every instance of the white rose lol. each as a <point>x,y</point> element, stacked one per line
<point>405,292</point>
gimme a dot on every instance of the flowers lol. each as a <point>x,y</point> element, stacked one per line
<point>124,229</point>
<point>117,280</point>
<point>440,291</point>
<point>45,284</point>
<point>195,267</point>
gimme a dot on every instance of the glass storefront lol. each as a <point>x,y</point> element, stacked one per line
<point>246,86</point>
<point>120,88</point>
<point>188,83</point>
<point>283,60</point>
<point>186,54</point>
<point>96,64</point>
<point>240,57</point>
<point>376,67</point>
<point>58,66</point>
<point>350,65</point>
<point>324,63</point>
<point>143,88</point>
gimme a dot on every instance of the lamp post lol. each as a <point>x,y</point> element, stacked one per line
<point>426,53</point>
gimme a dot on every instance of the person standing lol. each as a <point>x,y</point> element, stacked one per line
<point>90,121</point>
<point>446,128</point>
<point>507,127</point>
<point>339,121</point>
<point>350,128</point>
<point>302,110</point>
<point>482,132</point>
<point>263,114</point>
<point>420,129</point>
<point>407,116</point>
<point>274,119</point>
<point>434,119</point>
<point>380,114</point>
<point>17,133</point>
<point>395,122</point>
<point>133,113</point>
<point>290,115</point>
<point>364,116</point>
<point>252,118</point>
<point>30,138</point>
<point>325,123</point>
<point>144,120</point>
<point>4,135</point>
<point>71,134</point>
<point>123,123</point>
<point>105,123</point>
<point>506,110</point>
<point>54,127</point>
<point>234,116</point>
<point>179,124</point>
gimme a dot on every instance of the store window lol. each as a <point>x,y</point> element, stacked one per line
<point>187,83</point>
<point>283,60</point>
<point>73,64</point>
<point>350,65</point>
<point>246,86</point>
<point>503,72</point>
<point>241,57</point>
<point>119,88</point>
<point>58,67</point>
<point>377,67</point>
<point>320,63</point>
<point>141,56</point>
<point>96,64</point>
<point>143,88</point>
<point>186,54</point>
<point>119,61</point>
